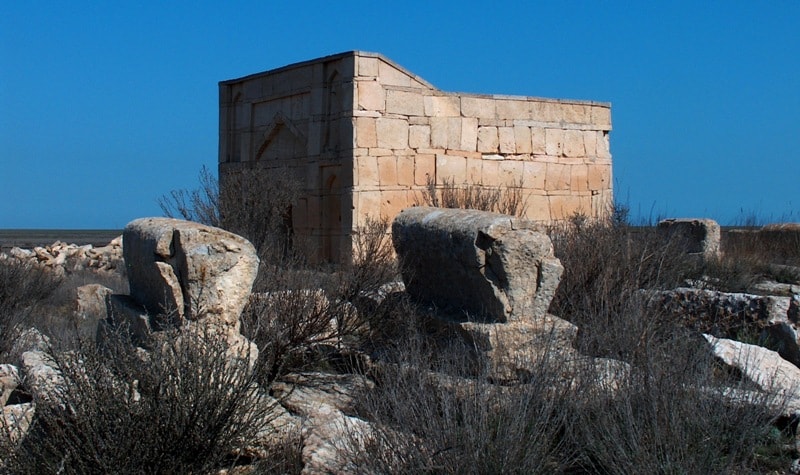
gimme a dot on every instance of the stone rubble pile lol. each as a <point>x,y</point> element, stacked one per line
<point>769,318</point>
<point>64,258</point>
<point>485,278</point>
<point>192,276</point>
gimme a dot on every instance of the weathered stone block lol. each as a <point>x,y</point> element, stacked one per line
<point>367,66</point>
<point>405,170</point>
<point>439,132</point>
<point>488,141</point>
<point>482,108</point>
<point>538,141</point>
<point>367,170</point>
<point>590,142</point>
<point>442,106</point>
<point>601,117</point>
<point>451,168</point>
<point>392,133</point>
<point>195,271</point>
<point>371,96</point>
<point>479,266</point>
<point>558,177</point>
<point>577,114</point>
<point>366,132</point>
<point>391,76</point>
<point>603,150</point>
<point>453,133</point>
<point>538,207</point>
<point>554,141</point>
<point>599,177</point>
<point>579,180</point>
<point>517,349</point>
<point>424,168</point>
<point>533,175</point>
<point>469,134</point>
<point>522,139</point>
<point>511,172</point>
<point>490,172</point>
<point>474,170</point>
<point>567,206</point>
<point>404,102</point>
<point>508,143</point>
<point>419,136</point>
<point>387,170</point>
<point>551,111</point>
<point>392,201</point>
<point>91,307</point>
<point>368,205</point>
<point>573,144</point>
<point>510,109</point>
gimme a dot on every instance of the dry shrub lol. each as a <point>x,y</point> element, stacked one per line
<point>672,414</point>
<point>750,256</point>
<point>252,202</point>
<point>505,200</point>
<point>431,415</point>
<point>606,262</point>
<point>183,408</point>
<point>200,204</point>
<point>300,313</point>
<point>22,286</point>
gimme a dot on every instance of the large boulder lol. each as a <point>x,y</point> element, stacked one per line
<point>189,270</point>
<point>765,368</point>
<point>477,265</point>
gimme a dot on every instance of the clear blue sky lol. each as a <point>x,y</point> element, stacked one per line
<point>105,106</point>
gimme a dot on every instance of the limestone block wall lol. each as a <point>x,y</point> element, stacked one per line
<point>296,120</point>
<point>363,135</point>
<point>405,131</point>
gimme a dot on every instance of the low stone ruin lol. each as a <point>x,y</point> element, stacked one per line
<point>62,258</point>
<point>700,237</point>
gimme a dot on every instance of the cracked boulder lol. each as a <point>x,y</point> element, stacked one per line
<point>188,270</point>
<point>475,265</point>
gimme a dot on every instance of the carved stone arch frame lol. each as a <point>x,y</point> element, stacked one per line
<point>279,121</point>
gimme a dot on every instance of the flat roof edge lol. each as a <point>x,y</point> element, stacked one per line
<point>368,54</point>
<point>287,67</point>
<point>514,97</point>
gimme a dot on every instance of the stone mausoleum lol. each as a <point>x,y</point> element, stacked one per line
<point>363,135</point>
